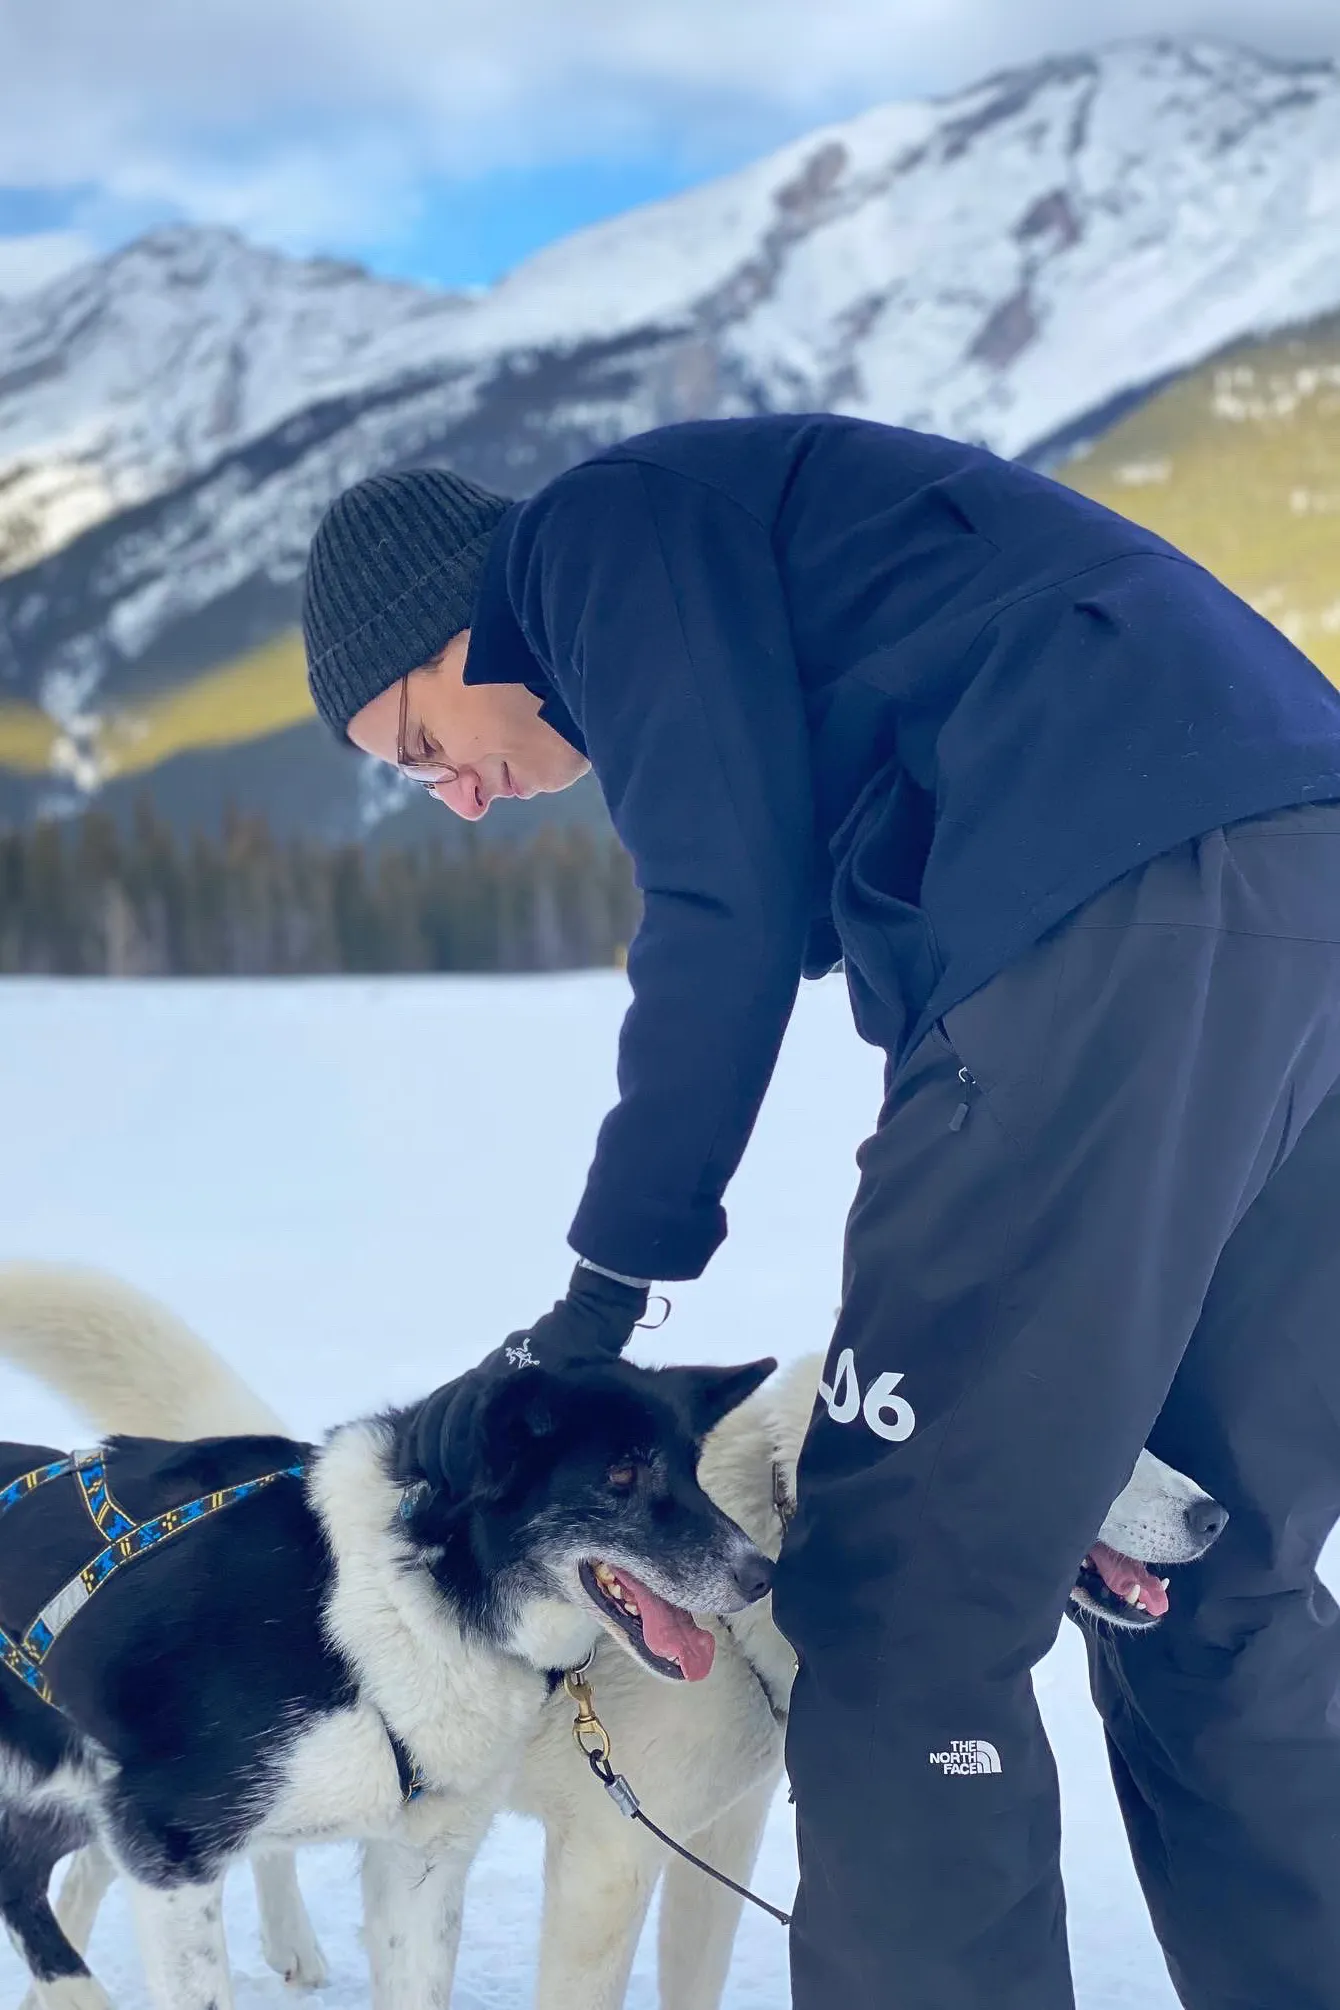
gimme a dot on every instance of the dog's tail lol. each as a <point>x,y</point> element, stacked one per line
<point>122,1361</point>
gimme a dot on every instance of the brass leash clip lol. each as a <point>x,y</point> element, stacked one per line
<point>586,1726</point>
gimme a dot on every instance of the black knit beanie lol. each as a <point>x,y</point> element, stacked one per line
<point>392,575</point>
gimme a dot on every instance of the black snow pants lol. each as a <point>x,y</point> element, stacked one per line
<point>1101,1207</point>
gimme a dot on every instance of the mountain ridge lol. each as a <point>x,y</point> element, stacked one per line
<point>1025,262</point>
<point>802,278</point>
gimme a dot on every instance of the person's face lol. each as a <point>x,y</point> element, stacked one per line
<point>466,743</point>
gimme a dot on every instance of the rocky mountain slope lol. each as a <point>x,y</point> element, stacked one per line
<point>1024,264</point>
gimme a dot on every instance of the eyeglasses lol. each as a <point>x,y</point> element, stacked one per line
<point>428,774</point>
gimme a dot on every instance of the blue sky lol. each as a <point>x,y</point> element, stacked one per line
<point>469,232</point>
<point>445,139</point>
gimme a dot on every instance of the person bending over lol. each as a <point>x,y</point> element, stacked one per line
<point>1067,813</point>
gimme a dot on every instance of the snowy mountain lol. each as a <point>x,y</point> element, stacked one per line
<point>130,375</point>
<point>1016,264</point>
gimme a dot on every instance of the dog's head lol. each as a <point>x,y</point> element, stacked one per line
<point>1160,1519</point>
<point>573,1504</point>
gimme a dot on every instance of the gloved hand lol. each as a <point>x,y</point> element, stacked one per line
<point>597,1317</point>
<point>594,1322</point>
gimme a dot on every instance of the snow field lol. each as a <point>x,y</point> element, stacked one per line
<point>355,1188</point>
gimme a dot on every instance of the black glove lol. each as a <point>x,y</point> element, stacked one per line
<point>593,1323</point>
<point>597,1317</point>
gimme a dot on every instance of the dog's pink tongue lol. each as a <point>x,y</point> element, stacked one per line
<point>1121,1574</point>
<point>671,1633</point>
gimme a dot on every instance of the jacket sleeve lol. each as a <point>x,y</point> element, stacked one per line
<point>655,605</point>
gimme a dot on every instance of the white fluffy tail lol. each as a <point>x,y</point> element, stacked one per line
<point>121,1360</point>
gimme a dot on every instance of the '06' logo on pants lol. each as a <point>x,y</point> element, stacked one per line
<point>887,1415</point>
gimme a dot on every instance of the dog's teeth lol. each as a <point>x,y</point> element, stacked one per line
<point>1133,1595</point>
<point>1165,1582</point>
<point>609,1583</point>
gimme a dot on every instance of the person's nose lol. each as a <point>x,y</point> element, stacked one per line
<point>465,795</point>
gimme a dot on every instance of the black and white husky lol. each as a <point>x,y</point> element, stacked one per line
<point>219,1646</point>
<point>705,1758</point>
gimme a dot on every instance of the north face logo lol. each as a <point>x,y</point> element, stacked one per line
<point>967,1755</point>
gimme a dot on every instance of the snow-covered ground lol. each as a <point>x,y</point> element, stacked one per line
<point>353,1189</point>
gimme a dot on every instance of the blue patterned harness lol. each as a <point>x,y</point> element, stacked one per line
<point>125,1540</point>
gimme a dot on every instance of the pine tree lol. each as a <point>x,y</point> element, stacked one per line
<point>88,898</point>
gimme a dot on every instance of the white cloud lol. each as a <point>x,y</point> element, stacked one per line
<point>29,262</point>
<point>305,119</point>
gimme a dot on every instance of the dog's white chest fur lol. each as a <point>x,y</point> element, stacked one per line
<point>462,1710</point>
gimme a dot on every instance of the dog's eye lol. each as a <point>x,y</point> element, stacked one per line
<point>621,1478</point>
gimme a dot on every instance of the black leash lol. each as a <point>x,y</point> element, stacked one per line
<point>597,1755</point>
<point>627,1802</point>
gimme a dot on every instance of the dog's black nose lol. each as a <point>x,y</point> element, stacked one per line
<point>753,1576</point>
<point>1207,1520</point>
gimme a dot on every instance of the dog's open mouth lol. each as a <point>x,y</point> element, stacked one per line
<point>667,1638</point>
<point>1120,1589</point>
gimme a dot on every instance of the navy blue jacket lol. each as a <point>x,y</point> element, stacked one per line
<point>858,693</point>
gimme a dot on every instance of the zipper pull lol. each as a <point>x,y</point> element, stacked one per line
<point>960,1116</point>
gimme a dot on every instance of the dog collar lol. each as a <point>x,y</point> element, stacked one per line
<point>413,1780</point>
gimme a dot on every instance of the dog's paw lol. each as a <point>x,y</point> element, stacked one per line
<point>303,1966</point>
<point>288,1938</point>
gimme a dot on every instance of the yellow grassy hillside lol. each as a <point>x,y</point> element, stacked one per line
<point>1238,463</point>
<point>27,740</point>
<point>250,698</point>
<point>261,693</point>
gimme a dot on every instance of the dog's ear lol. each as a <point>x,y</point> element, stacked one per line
<point>513,1420</point>
<point>706,1395</point>
<point>470,1432</point>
